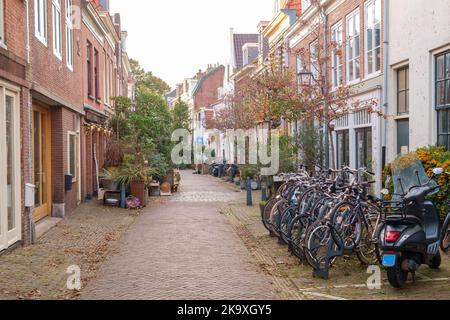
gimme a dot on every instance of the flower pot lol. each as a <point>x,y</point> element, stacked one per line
<point>137,189</point>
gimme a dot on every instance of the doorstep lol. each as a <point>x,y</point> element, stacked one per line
<point>43,226</point>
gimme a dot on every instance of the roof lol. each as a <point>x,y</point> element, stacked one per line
<point>239,40</point>
<point>204,78</point>
<point>172,94</point>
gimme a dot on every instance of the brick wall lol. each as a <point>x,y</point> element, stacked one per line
<point>47,70</point>
<point>208,93</point>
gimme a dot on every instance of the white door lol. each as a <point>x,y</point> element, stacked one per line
<point>10,198</point>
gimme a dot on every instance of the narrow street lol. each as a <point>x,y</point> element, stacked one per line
<point>182,247</point>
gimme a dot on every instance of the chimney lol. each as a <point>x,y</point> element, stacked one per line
<point>199,74</point>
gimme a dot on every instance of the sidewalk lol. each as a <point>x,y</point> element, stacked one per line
<point>84,238</point>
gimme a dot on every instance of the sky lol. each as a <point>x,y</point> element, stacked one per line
<point>176,38</point>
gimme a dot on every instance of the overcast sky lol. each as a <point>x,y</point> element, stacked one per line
<point>176,38</point>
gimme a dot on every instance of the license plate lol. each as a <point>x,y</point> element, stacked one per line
<point>389,260</point>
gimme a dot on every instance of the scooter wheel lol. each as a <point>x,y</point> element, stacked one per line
<point>436,261</point>
<point>396,276</point>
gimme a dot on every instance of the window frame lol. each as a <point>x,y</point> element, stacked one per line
<point>40,18</point>
<point>442,110</point>
<point>405,90</point>
<point>372,4</point>
<point>69,35</point>
<point>57,29</point>
<point>314,59</point>
<point>2,24</point>
<point>365,132</point>
<point>356,53</point>
<point>337,71</point>
<point>97,94</point>
<point>89,69</point>
<point>345,133</point>
<point>69,149</point>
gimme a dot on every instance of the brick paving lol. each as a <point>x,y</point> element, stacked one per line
<point>183,248</point>
<point>84,238</point>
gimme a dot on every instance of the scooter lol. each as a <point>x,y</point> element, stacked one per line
<point>410,234</point>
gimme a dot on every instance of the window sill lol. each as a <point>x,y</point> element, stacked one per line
<point>42,40</point>
<point>3,45</point>
<point>70,67</point>
<point>91,97</point>
<point>402,117</point>
<point>372,75</point>
<point>57,55</point>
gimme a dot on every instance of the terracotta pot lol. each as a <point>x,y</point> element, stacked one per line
<point>137,189</point>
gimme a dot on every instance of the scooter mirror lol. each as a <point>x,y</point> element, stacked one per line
<point>438,171</point>
<point>385,192</point>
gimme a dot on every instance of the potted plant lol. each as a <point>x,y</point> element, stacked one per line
<point>109,178</point>
<point>136,174</point>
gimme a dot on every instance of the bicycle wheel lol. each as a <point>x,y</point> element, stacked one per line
<point>275,216</point>
<point>296,235</point>
<point>318,240</point>
<point>286,218</point>
<point>348,223</point>
<point>368,251</point>
<point>445,235</point>
<point>265,214</point>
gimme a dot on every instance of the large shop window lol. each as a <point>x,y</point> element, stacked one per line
<point>343,148</point>
<point>40,20</point>
<point>353,46</point>
<point>443,98</point>
<point>10,207</point>
<point>364,148</point>
<point>373,36</point>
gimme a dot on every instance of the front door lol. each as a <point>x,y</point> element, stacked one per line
<point>10,197</point>
<point>41,163</point>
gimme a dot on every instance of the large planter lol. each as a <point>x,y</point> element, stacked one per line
<point>137,189</point>
<point>110,185</point>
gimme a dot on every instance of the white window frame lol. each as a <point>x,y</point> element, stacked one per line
<point>40,19</point>
<point>337,69</point>
<point>69,35</point>
<point>352,34</point>
<point>371,5</point>
<point>314,59</point>
<point>57,30</point>
<point>9,237</point>
<point>2,24</point>
<point>74,174</point>
<point>305,5</point>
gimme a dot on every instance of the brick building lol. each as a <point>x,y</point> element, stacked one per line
<point>61,61</point>
<point>14,122</point>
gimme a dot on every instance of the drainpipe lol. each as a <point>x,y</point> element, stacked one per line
<point>29,211</point>
<point>385,80</point>
<point>324,16</point>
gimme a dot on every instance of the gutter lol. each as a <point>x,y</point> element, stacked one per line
<point>385,80</point>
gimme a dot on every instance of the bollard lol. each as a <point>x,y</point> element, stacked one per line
<point>263,193</point>
<point>123,203</point>
<point>249,193</point>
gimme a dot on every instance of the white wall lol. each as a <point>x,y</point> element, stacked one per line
<point>419,29</point>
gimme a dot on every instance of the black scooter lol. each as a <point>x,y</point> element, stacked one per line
<point>410,233</point>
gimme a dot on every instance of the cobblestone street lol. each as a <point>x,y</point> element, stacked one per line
<point>183,248</point>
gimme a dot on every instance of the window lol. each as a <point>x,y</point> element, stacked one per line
<point>73,151</point>
<point>57,37</point>
<point>353,52</point>
<point>89,69</point>
<point>40,20</point>
<point>336,54</point>
<point>364,148</point>
<point>314,59</point>
<point>69,34</point>
<point>305,5</point>
<point>343,148</point>
<point>402,136</point>
<point>373,36</point>
<point>443,98</point>
<point>403,91</point>
<point>96,75</point>
<point>2,22</point>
